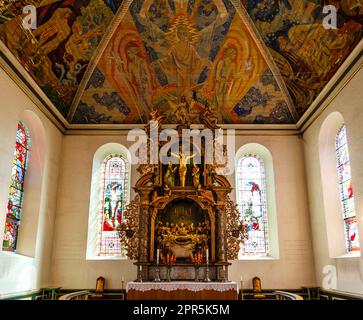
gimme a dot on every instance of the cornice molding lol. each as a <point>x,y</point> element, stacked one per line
<point>238,132</point>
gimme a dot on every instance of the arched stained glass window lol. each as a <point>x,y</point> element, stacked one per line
<point>251,201</point>
<point>346,191</point>
<point>115,184</point>
<point>16,192</point>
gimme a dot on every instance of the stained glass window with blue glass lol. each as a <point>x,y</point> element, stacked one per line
<point>251,201</point>
<point>346,191</point>
<point>115,185</point>
<point>16,193</point>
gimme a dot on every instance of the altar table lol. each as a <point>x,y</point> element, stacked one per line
<point>182,290</point>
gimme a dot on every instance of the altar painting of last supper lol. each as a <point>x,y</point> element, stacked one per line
<point>183,228</point>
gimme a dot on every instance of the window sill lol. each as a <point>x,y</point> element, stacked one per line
<point>98,258</point>
<point>354,254</point>
<point>258,258</point>
<point>7,296</point>
<point>15,255</point>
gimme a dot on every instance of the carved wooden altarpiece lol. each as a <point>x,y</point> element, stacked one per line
<point>182,211</point>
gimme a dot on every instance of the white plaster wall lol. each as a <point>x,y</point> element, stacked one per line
<point>19,272</point>
<point>70,268</point>
<point>349,103</point>
<point>295,266</point>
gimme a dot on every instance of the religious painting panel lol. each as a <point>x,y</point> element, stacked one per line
<point>183,228</point>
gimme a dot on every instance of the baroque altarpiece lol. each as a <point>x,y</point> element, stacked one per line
<point>182,208</point>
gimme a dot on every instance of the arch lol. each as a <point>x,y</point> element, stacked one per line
<point>265,193</point>
<point>96,239</point>
<point>335,226</point>
<point>32,184</point>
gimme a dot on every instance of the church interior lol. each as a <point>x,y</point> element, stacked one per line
<point>181,149</point>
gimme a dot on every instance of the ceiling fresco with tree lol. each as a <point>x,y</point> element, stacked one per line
<point>108,62</point>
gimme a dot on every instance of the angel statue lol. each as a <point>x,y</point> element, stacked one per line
<point>182,165</point>
<point>157,118</point>
<point>169,177</point>
<point>196,175</point>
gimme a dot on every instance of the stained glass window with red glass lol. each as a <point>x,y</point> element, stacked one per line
<point>251,201</point>
<point>115,185</point>
<point>16,192</point>
<point>346,191</point>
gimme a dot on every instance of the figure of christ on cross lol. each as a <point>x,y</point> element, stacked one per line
<point>183,160</point>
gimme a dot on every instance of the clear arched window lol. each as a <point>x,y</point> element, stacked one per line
<point>251,201</point>
<point>16,192</point>
<point>346,191</point>
<point>115,184</point>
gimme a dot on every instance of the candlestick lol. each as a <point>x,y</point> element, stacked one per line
<point>139,274</point>
<point>157,276</point>
<point>157,271</point>
<point>207,255</point>
<point>206,277</point>
<point>226,274</point>
<point>224,279</point>
<point>241,288</point>
<point>221,274</point>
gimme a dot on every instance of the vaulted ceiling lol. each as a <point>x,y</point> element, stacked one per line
<point>112,61</point>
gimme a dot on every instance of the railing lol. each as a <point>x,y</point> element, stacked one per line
<point>80,295</point>
<point>248,294</point>
<point>282,295</point>
<point>338,295</point>
<point>25,295</point>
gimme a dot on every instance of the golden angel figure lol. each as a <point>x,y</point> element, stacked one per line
<point>169,177</point>
<point>196,175</point>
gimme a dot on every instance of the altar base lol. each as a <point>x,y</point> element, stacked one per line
<point>182,290</point>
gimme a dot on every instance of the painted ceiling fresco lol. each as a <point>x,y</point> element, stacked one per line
<point>306,53</point>
<point>158,51</point>
<point>57,52</point>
